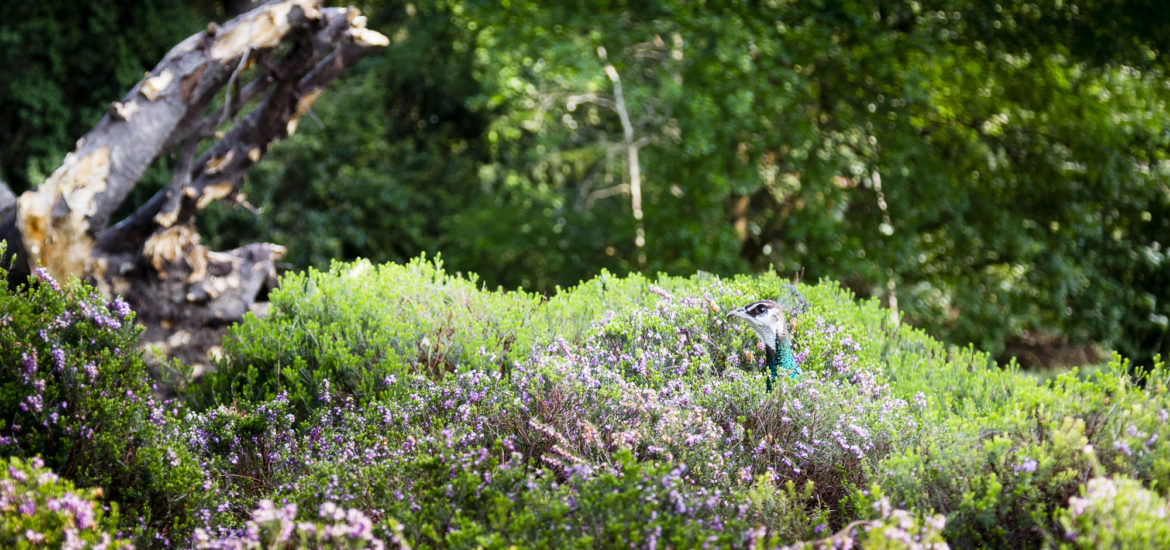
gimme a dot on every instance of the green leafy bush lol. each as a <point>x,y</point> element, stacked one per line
<point>558,385</point>
<point>39,509</point>
<point>412,407</point>
<point>1114,512</point>
<point>360,327</point>
<point>276,528</point>
<point>470,416</point>
<point>75,392</point>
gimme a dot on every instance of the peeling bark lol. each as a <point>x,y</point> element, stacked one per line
<point>289,51</point>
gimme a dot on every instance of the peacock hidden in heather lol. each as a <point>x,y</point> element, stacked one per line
<point>769,318</point>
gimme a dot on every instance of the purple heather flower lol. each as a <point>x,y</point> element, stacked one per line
<point>98,316</point>
<point>329,510</point>
<point>1028,465</point>
<point>32,402</point>
<point>360,525</point>
<point>848,342</point>
<point>79,508</point>
<point>661,292</point>
<point>29,364</point>
<point>1078,505</point>
<point>1121,446</point>
<point>17,473</point>
<point>43,274</point>
<point>120,307</point>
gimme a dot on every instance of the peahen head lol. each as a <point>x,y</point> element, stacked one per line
<point>768,318</point>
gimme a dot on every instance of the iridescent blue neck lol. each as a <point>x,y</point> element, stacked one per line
<point>781,358</point>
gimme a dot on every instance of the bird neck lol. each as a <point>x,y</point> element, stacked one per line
<point>778,351</point>
<point>779,356</point>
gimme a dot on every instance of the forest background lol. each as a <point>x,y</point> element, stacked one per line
<point>995,173</point>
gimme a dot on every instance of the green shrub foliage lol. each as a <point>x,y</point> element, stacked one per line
<point>38,509</point>
<point>1114,512</point>
<point>800,134</point>
<point>626,410</point>
<point>75,392</point>
<point>404,406</point>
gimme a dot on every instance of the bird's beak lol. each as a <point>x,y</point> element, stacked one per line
<point>739,313</point>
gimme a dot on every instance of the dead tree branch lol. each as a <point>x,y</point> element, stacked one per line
<point>287,52</point>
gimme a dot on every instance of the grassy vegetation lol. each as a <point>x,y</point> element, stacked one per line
<point>401,405</point>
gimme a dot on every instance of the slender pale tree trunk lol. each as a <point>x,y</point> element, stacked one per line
<point>635,167</point>
<point>887,228</point>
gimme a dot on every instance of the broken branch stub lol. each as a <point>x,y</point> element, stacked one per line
<point>154,257</point>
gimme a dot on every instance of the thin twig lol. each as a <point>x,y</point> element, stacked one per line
<point>227,100</point>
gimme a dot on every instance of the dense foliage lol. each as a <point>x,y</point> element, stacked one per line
<point>63,63</point>
<point>400,405</point>
<point>997,174</point>
<point>621,373</point>
<point>39,509</point>
<point>74,392</point>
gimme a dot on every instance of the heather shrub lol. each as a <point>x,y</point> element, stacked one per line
<point>68,371</point>
<point>39,509</point>
<point>893,528</point>
<point>360,327</point>
<point>278,528</point>
<point>618,381</point>
<point>404,406</point>
<point>74,392</point>
<point>1006,453</point>
<point>448,470</point>
<point>1114,512</point>
<point>493,410</point>
<point>243,454</point>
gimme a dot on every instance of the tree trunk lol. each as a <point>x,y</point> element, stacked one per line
<point>275,61</point>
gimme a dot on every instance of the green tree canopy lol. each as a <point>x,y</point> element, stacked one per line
<point>994,171</point>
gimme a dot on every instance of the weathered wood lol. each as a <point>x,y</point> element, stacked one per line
<point>17,271</point>
<point>291,50</point>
